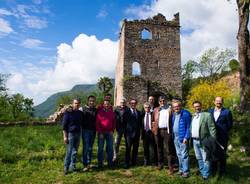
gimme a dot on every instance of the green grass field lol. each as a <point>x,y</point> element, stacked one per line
<point>34,154</point>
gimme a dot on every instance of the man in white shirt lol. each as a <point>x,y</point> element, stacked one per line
<point>223,122</point>
<point>162,130</point>
<point>202,127</point>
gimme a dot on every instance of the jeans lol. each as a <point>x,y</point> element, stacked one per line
<point>117,143</point>
<point>88,137</point>
<point>108,137</point>
<point>204,166</point>
<point>71,152</point>
<point>182,154</point>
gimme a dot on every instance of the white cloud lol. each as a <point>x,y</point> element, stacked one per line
<point>32,43</point>
<point>16,79</point>
<point>35,22</point>
<point>102,14</point>
<point>5,12</point>
<point>5,27</point>
<point>214,23</point>
<point>82,62</point>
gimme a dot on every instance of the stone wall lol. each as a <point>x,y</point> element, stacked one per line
<point>158,56</point>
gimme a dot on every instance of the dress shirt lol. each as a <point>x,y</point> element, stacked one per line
<point>149,118</point>
<point>196,125</point>
<point>216,114</point>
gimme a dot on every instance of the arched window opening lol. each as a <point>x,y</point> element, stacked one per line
<point>146,34</point>
<point>136,69</point>
<point>158,64</point>
<point>158,36</point>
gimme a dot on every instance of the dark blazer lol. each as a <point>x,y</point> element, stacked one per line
<point>132,123</point>
<point>142,123</point>
<point>224,123</point>
<point>119,118</point>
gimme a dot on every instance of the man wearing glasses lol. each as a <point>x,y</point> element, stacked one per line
<point>162,130</point>
<point>120,127</point>
<point>132,120</point>
<point>147,135</point>
<point>181,119</point>
<point>202,127</point>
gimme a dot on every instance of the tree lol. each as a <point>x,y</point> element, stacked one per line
<point>3,78</point>
<point>213,61</point>
<point>16,102</point>
<point>188,71</point>
<point>244,54</point>
<point>105,85</point>
<point>234,65</point>
<point>28,106</point>
<point>20,106</point>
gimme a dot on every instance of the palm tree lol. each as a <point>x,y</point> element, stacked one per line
<point>105,85</point>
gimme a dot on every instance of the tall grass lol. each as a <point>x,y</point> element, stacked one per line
<point>34,154</point>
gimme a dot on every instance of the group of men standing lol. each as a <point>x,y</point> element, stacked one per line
<point>167,129</point>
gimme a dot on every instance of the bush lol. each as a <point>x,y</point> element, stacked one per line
<point>234,65</point>
<point>206,92</point>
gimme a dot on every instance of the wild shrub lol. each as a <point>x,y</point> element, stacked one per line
<point>206,92</point>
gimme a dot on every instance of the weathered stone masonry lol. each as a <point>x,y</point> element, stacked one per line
<point>158,57</point>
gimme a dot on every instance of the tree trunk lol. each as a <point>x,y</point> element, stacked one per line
<point>243,53</point>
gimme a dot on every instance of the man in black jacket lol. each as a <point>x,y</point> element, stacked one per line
<point>120,127</point>
<point>72,121</point>
<point>88,131</point>
<point>132,120</point>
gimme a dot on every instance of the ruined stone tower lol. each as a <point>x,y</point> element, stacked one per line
<point>149,60</point>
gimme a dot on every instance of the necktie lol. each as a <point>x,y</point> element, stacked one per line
<point>147,123</point>
<point>134,113</point>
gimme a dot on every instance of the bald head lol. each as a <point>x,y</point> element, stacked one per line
<point>218,102</point>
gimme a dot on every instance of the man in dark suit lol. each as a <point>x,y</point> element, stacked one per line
<point>147,135</point>
<point>132,121</point>
<point>119,111</point>
<point>223,123</point>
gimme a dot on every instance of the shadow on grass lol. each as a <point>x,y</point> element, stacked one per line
<point>238,172</point>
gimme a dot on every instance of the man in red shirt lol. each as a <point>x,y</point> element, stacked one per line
<point>105,125</point>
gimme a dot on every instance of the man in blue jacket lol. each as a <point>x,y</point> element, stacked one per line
<point>181,120</point>
<point>72,121</point>
<point>223,123</point>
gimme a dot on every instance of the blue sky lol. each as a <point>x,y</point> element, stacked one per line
<point>57,21</point>
<point>50,45</point>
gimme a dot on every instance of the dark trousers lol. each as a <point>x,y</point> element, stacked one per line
<point>221,163</point>
<point>164,141</point>
<point>118,139</point>
<point>131,142</point>
<point>149,141</point>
